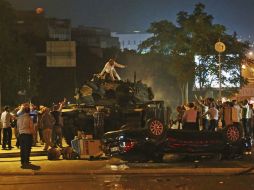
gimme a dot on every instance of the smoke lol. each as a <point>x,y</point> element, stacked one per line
<point>153,75</point>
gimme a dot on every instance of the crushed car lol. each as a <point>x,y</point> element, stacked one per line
<point>153,140</point>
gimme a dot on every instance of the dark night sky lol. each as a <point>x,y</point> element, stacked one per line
<point>130,15</point>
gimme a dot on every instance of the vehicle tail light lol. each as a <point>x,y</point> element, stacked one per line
<point>127,145</point>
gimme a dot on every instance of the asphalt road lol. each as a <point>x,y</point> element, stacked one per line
<point>115,174</point>
<point>128,182</point>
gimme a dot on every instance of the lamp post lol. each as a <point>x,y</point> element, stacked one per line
<point>220,48</point>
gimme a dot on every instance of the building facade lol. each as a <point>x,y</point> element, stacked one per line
<point>94,37</point>
<point>131,41</point>
<point>59,29</point>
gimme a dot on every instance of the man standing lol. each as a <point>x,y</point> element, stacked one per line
<point>245,118</point>
<point>26,131</point>
<point>57,128</point>
<point>236,113</point>
<point>34,115</point>
<point>190,117</point>
<point>1,126</point>
<point>47,121</point>
<point>109,71</point>
<point>214,116</point>
<point>7,133</point>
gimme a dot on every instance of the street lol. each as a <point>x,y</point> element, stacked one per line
<point>130,182</point>
<point>174,173</point>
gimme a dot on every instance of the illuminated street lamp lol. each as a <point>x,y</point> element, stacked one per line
<point>220,48</point>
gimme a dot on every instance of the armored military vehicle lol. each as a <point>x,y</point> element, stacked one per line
<point>125,103</point>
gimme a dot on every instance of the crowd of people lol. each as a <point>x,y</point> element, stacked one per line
<point>211,115</point>
<point>31,126</point>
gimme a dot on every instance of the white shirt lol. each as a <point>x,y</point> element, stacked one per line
<point>25,124</point>
<point>236,113</point>
<point>205,109</point>
<point>214,113</point>
<point>250,113</point>
<point>246,110</point>
<point>108,68</point>
<point>6,119</point>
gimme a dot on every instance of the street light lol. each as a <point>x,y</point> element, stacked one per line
<point>220,47</point>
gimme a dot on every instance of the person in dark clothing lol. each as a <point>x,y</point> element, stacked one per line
<point>57,135</point>
<point>14,126</point>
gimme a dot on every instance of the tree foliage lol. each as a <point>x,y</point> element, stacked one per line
<point>194,37</point>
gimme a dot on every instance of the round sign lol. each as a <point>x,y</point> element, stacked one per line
<point>220,47</point>
<point>39,10</point>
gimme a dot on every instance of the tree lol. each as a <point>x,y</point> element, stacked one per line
<point>190,47</point>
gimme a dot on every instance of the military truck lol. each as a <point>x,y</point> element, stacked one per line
<point>125,103</point>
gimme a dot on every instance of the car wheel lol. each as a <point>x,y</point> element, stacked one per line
<point>233,134</point>
<point>156,129</point>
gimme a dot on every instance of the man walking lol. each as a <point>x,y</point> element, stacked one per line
<point>7,133</point>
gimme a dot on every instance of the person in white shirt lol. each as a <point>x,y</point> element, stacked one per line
<point>7,132</point>
<point>236,113</point>
<point>251,113</point>
<point>109,72</point>
<point>245,118</point>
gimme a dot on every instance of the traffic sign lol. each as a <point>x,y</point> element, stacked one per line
<point>220,47</point>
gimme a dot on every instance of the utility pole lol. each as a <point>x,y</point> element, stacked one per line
<point>220,47</point>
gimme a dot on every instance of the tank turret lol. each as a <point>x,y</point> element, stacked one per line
<point>103,92</point>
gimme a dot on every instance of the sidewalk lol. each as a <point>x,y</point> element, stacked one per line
<point>15,152</point>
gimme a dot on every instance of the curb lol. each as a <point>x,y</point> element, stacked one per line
<point>17,154</point>
<point>178,171</point>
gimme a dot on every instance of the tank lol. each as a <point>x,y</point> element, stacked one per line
<point>123,93</point>
<point>124,103</point>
